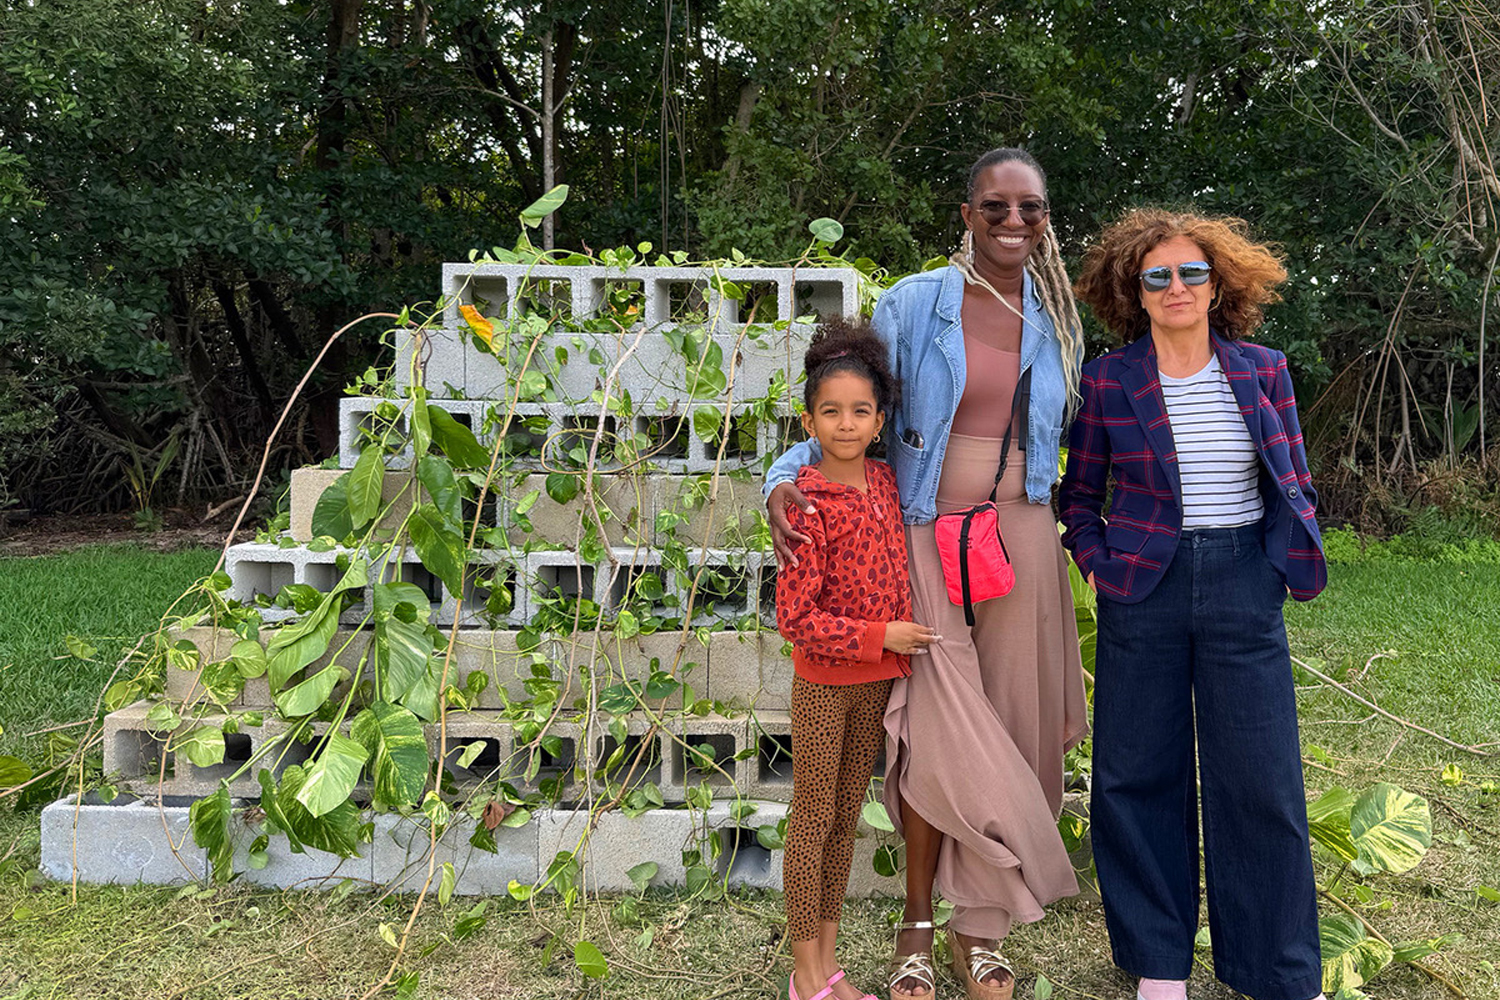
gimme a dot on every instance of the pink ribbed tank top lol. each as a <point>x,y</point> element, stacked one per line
<point>989,389</point>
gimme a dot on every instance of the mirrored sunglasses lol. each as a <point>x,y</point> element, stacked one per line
<point>1158,279</point>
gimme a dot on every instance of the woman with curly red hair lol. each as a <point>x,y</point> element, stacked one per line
<point>1210,525</point>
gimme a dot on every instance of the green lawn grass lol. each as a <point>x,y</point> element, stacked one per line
<point>108,596</point>
<point>226,941</point>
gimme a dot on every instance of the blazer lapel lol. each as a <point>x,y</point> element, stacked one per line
<point>1142,386</point>
<point>1244,382</point>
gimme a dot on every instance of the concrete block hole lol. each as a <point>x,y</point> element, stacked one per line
<point>706,757</point>
<point>238,749</point>
<point>773,753</point>
<point>743,859</point>
<point>551,297</point>
<point>666,437</point>
<point>641,758</point>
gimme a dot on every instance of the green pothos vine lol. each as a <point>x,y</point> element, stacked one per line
<point>350,704</point>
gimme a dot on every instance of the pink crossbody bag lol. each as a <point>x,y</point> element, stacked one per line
<point>976,565</point>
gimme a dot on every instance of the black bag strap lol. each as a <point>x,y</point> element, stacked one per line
<point>963,566</point>
<point>1020,409</point>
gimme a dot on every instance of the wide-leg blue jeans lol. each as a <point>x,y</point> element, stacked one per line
<point>1204,654</point>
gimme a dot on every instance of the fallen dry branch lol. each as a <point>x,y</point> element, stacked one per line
<point>1475,750</point>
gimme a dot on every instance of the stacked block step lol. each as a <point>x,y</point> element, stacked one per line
<point>147,840</point>
<point>742,670</point>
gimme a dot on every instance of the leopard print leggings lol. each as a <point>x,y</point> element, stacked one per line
<point>837,730</point>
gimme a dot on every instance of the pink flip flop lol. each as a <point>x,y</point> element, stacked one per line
<point>840,975</point>
<point>791,990</point>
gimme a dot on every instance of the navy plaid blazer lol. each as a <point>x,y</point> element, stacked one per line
<point>1122,433</point>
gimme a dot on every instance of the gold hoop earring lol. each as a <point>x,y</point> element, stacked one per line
<point>1045,248</point>
<point>877,438</point>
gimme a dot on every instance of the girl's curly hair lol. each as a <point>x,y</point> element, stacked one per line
<point>850,345</point>
<point>1245,272</point>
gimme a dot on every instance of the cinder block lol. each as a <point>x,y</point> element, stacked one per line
<point>526,426</point>
<point>759,353</point>
<point>642,759</point>
<point>825,293</point>
<point>557,767</point>
<point>689,764</point>
<point>638,360</point>
<point>489,287</point>
<point>496,655</point>
<point>729,586</point>
<point>718,515</point>
<point>123,843</point>
<point>500,571</point>
<point>665,436</point>
<point>398,494</point>
<point>130,749</point>
<point>494,761</point>
<point>617,843</point>
<point>749,669</point>
<point>311,869</point>
<point>401,849</point>
<point>743,861</point>
<point>864,880</point>
<point>239,748</point>
<point>771,769</point>
<point>261,568</point>
<point>551,573</point>
<point>635,578</point>
<point>433,358</point>
<point>625,504</point>
<point>357,413</point>
<point>214,644</point>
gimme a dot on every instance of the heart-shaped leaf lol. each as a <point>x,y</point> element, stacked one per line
<point>398,754</point>
<point>438,545</point>
<point>208,818</point>
<point>1328,822</point>
<point>331,777</point>
<point>1350,957</point>
<point>366,480</point>
<point>203,745</point>
<point>590,960</point>
<point>1391,828</point>
<point>456,441</point>
<point>533,214</point>
<point>436,477</point>
<point>826,230</point>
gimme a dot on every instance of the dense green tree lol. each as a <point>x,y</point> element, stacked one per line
<point>193,196</point>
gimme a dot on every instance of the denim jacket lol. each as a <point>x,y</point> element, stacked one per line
<point>919,320</point>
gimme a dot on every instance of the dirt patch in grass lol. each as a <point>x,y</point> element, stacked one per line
<point>54,533</point>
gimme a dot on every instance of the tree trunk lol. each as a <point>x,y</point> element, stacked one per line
<point>549,139</point>
<point>241,340</point>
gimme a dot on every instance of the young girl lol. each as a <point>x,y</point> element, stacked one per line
<point>845,607</point>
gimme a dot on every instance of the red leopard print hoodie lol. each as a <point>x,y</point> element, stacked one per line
<point>848,582</point>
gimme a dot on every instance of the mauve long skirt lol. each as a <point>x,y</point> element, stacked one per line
<point>975,737</point>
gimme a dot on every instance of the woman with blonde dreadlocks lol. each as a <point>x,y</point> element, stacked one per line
<point>989,351</point>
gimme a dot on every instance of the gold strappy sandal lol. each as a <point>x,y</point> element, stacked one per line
<point>980,961</point>
<point>917,966</point>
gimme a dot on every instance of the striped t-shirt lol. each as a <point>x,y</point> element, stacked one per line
<point>1216,457</point>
